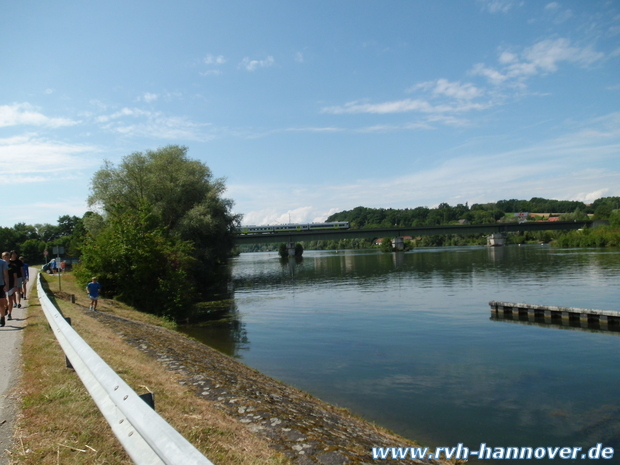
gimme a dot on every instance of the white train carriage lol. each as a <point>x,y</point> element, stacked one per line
<point>292,227</point>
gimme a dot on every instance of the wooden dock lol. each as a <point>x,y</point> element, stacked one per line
<point>549,313</point>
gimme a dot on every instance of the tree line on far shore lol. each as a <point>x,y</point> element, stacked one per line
<point>488,213</point>
<point>606,209</point>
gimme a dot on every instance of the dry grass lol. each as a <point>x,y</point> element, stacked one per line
<point>68,286</point>
<point>60,424</point>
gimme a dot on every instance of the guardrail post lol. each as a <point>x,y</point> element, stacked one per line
<point>67,361</point>
<point>149,398</point>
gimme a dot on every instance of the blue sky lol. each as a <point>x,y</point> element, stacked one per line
<point>312,107</point>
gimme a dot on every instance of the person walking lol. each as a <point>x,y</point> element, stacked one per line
<point>93,289</point>
<point>25,276</point>
<point>18,267</point>
<point>13,269</point>
<point>4,287</point>
<point>10,285</point>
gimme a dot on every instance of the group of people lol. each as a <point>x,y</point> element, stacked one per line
<point>13,278</point>
<point>54,266</point>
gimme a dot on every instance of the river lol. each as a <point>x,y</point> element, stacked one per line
<point>407,340</point>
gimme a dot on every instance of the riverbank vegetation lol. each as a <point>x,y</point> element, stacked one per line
<point>604,236</point>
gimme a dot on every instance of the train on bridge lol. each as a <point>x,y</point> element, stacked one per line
<point>292,227</point>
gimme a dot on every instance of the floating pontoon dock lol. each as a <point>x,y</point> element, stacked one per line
<point>551,313</point>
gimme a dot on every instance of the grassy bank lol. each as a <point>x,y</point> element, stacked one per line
<point>607,236</point>
<point>59,422</point>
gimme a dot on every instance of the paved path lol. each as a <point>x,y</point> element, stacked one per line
<point>10,364</point>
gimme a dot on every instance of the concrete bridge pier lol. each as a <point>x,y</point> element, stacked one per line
<point>496,240</point>
<point>399,243</point>
<point>291,249</point>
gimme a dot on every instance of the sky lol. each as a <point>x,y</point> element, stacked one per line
<point>307,108</point>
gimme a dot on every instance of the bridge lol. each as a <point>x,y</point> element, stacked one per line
<point>337,234</point>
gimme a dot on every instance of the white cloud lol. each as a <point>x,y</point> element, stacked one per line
<point>137,122</point>
<point>214,60</point>
<point>498,6</point>
<point>445,97</point>
<point>506,58</point>
<point>299,57</point>
<point>542,58</point>
<point>383,128</point>
<point>26,114</point>
<point>252,65</point>
<point>592,196</point>
<point>271,216</point>
<point>99,104</point>
<point>494,77</point>
<point>148,97</point>
<point>44,212</point>
<point>123,112</point>
<point>457,90</point>
<point>306,214</point>
<point>403,106</point>
<point>39,157</point>
<point>314,129</point>
<point>546,54</point>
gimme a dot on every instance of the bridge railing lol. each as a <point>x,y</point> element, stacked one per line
<point>146,436</point>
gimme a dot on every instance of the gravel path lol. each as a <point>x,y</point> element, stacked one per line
<point>11,336</point>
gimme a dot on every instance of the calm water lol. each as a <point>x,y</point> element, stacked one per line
<point>406,340</point>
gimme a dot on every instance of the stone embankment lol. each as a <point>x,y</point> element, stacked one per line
<point>303,428</point>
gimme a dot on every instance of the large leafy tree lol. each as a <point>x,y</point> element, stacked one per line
<point>183,200</point>
<point>140,264</point>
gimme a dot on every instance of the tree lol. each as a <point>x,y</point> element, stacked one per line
<point>46,232</point>
<point>614,219</point>
<point>386,245</point>
<point>32,250</point>
<point>181,191</point>
<point>8,239</point>
<point>25,232</point>
<point>183,200</point>
<point>283,250</point>
<point>140,264</point>
<point>299,249</point>
<point>602,212</point>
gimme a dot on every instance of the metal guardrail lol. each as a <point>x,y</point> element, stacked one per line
<point>146,436</point>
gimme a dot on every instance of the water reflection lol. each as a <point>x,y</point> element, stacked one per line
<point>405,340</point>
<point>559,323</point>
<point>220,327</point>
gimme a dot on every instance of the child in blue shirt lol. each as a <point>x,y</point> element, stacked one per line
<point>93,288</point>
